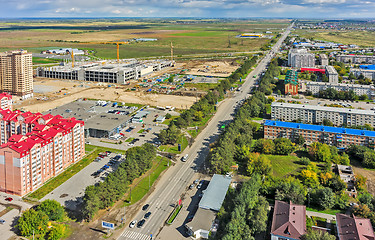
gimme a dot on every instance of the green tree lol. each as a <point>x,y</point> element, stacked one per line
<point>291,189</point>
<point>258,164</point>
<point>320,152</point>
<point>323,198</point>
<point>258,217</point>
<point>283,146</point>
<point>32,221</point>
<point>318,235</point>
<point>56,232</point>
<point>265,146</point>
<point>52,209</point>
<point>299,140</point>
<point>171,78</point>
<point>327,122</point>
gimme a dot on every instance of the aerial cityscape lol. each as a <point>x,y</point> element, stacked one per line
<point>173,120</point>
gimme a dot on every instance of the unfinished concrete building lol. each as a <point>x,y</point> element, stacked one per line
<point>347,175</point>
<point>105,72</point>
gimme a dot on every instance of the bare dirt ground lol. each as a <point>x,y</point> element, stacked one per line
<point>109,94</point>
<point>370,175</point>
<point>212,68</point>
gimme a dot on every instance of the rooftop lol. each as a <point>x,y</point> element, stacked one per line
<point>339,84</point>
<point>320,128</point>
<point>321,108</point>
<point>289,220</point>
<point>203,219</point>
<point>214,195</point>
<point>350,228</point>
<point>331,70</point>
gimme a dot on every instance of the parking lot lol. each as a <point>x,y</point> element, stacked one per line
<point>71,192</point>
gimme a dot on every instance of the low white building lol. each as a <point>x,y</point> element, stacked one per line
<point>358,89</point>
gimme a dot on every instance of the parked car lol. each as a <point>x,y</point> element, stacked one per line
<point>184,158</point>
<point>2,221</point>
<point>191,186</point>
<point>9,199</point>
<point>132,224</point>
<point>199,186</point>
<point>140,223</point>
<point>144,208</point>
<point>196,181</point>
<point>147,215</point>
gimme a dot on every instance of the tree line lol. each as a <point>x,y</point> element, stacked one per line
<point>104,194</point>
<point>43,221</point>
<point>331,93</point>
<point>205,106</point>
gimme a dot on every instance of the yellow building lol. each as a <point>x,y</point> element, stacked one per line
<point>16,73</point>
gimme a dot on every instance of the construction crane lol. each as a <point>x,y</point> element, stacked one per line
<point>118,51</point>
<point>172,53</point>
<point>72,58</point>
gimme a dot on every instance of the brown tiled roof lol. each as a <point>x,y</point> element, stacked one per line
<point>350,228</point>
<point>289,220</point>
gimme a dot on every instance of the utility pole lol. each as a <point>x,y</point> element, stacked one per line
<point>172,53</point>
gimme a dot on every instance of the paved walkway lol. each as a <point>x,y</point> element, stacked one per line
<point>329,217</point>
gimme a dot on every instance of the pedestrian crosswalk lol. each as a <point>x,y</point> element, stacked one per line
<point>127,235</point>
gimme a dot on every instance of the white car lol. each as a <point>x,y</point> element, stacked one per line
<point>133,223</point>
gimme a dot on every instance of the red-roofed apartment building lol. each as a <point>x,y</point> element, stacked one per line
<point>288,222</point>
<point>35,148</point>
<point>6,101</point>
<point>349,228</point>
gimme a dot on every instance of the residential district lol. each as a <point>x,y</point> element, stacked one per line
<point>219,170</point>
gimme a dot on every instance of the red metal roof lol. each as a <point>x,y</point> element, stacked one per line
<point>289,220</point>
<point>313,70</point>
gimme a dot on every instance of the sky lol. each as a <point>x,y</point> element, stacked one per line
<point>328,9</point>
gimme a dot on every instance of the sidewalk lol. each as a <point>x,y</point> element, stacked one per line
<point>329,217</point>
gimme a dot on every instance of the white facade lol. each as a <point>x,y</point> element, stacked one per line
<point>315,87</point>
<point>316,114</point>
<point>333,76</point>
<point>299,58</point>
<point>367,73</point>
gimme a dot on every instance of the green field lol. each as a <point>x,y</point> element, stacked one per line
<point>174,149</point>
<point>361,38</point>
<point>284,165</point>
<point>201,86</point>
<point>197,37</point>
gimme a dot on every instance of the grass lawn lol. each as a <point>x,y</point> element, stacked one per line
<point>89,148</point>
<point>328,211</point>
<point>201,86</point>
<point>141,131</point>
<point>69,172</point>
<point>129,139</point>
<point>174,214</point>
<point>193,133</point>
<point>281,77</point>
<point>167,121</point>
<point>283,165</point>
<point>256,119</point>
<point>142,188</point>
<point>38,60</point>
<point>174,149</point>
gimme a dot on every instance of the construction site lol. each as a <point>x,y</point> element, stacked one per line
<point>158,82</point>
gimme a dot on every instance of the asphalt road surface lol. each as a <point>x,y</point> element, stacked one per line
<point>176,180</point>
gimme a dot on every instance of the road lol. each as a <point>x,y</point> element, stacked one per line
<point>176,180</point>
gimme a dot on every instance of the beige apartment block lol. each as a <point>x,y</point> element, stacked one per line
<point>16,73</point>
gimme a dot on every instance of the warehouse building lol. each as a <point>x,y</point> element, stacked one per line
<point>300,58</point>
<point>315,87</point>
<point>104,72</point>
<point>98,122</point>
<point>316,114</point>
<point>356,59</point>
<point>339,137</point>
<point>209,205</point>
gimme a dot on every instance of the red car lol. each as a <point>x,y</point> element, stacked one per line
<point>9,199</point>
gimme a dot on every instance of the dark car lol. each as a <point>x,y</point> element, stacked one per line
<point>9,199</point>
<point>144,208</point>
<point>147,215</point>
<point>140,223</point>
